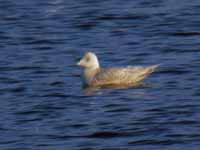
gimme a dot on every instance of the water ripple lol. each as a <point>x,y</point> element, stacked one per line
<point>43,104</point>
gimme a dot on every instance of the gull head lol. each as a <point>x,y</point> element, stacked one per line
<point>89,61</point>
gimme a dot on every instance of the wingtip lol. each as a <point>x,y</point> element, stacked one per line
<point>152,68</point>
<point>155,66</point>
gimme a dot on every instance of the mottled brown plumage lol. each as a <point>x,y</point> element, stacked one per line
<point>96,76</point>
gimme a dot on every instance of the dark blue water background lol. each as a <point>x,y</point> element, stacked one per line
<point>42,103</point>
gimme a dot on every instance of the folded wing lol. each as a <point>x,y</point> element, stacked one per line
<point>119,76</point>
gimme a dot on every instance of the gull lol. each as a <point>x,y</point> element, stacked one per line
<point>95,76</point>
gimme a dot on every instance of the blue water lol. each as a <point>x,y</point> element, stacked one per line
<point>43,105</point>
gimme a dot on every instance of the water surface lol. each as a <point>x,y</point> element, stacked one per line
<point>43,105</point>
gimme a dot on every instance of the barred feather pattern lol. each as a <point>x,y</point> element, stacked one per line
<point>119,76</point>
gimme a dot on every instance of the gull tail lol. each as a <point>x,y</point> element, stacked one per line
<point>147,71</point>
<point>151,69</point>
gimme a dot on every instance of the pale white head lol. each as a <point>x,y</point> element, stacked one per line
<point>89,61</point>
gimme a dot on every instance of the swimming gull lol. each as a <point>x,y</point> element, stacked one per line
<point>94,75</point>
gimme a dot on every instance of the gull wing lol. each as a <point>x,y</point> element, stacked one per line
<point>128,75</point>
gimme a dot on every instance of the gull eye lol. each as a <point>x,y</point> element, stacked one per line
<point>87,59</point>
